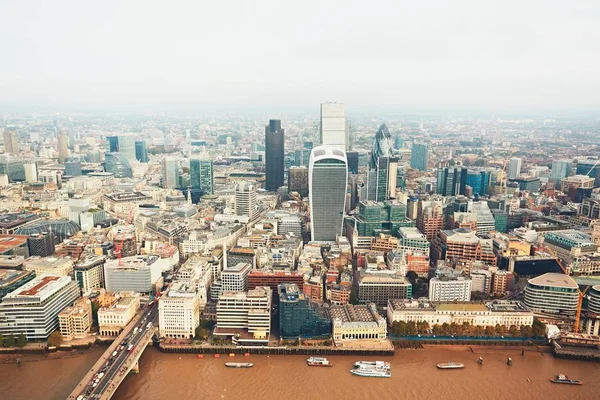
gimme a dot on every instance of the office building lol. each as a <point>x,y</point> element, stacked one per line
<point>552,293</point>
<point>141,151</point>
<point>300,317</point>
<point>379,287</point>
<point>298,180</point>
<point>382,179</point>
<point>354,323</point>
<point>170,172</point>
<point>589,167</point>
<point>179,311</point>
<point>14,245</point>
<point>245,316</point>
<point>412,239</point>
<point>41,244</point>
<point>332,130</point>
<point>560,170</point>
<point>123,202</point>
<point>274,154</point>
<point>72,167</point>
<point>118,164</point>
<point>430,217</point>
<point>11,141</point>
<point>451,181</point>
<point>380,217</point>
<point>31,171</point>
<point>572,183</point>
<point>245,200</point>
<point>202,175</point>
<point>419,157</point>
<point>352,157</point>
<point>63,146</point>
<point>514,168</point>
<point>11,279</point>
<point>505,313</point>
<point>274,279</point>
<point>113,318</point>
<point>462,244</point>
<point>62,229</point>
<point>124,144</point>
<point>60,266</point>
<point>89,273</point>
<point>450,286</point>
<point>479,181</point>
<point>238,254</point>
<point>75,321</point>
<point>33,308</point>
<point>527,183</point>
<point>235,278</point>
<point>481,280</point>
<point>12,166</point>
<point>590,208</point>
<point>141,274</point>
<point>327,181</point>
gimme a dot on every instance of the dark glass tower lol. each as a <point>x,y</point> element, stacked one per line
<point>274,154</point>
<point>141,152</point>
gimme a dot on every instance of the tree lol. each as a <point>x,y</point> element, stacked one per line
<point>513,330</point>
<point>10,341</point>
<point>55,339</point>
<point>1,340</point>
<point>538,328</point>
<point>525,331</point>
<point>95,308</point>
<point>201,333</point>
<point>21,340</point>
<point>489,331</point>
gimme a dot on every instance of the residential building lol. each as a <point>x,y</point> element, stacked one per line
<point>33,308</point>
<point>419,157</point>
<point>179,311</point>
<point>328,177</point>
<point>62,266</point>
<point>299,316</point>
<point>89,273</point>
<point>505,313</point>
<point>75,321</point>
<point>379,287</point>
<point>332,130</point>
<point>113,318</point>
<point>274,154</point>
<point>552,293</point>
<point>352,323</point>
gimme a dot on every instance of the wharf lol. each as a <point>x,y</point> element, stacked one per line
<point>311,351</point>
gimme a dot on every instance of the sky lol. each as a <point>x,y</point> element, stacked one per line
<point>404,55</point>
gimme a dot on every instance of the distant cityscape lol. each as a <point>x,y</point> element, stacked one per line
<point>345,233</point>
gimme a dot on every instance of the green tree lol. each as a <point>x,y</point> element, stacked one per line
<point>201,333</point>
<point>1,340</point>
<point>10,341</point>
<point>437,329</point>
<point>445,328</point>
<point>95,308</point>
<point>525,331</point>
<point>489,331</point>
<point>411,328</point>
<point>538,328</point>
<point>21,340</point>
<point>513,330</point>
<point>500,329</point>
<point>55,339</point>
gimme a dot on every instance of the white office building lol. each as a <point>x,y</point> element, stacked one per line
<point>33,308</point>
<point>245,200</point>
<point>333,125</point>
<point>141,274</point>
<point>235,278</point>
<point>514,168</point>
<point>552,293</point>
<point>446,288</point>
<point>49,265</point>
<point>89,273</point>
<point>179,311</point>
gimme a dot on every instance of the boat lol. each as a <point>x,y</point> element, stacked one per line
<point>480,361</point>
<point>565,379</point>
<point>450,365</point>
<point>238,365</point>
<point>509,362</point>
<point>318,362</point>
<point>372,372</point>
<point>372,364</point>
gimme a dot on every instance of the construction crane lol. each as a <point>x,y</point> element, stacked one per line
<point>119,245</point>
<point>591,169</point>
<point>580,292</point>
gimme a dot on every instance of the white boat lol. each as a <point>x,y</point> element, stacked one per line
<point>372,372</point>
<point>238,365</point>
<point>451,365</point>
<point>318,362</point>
<point>372,364</point>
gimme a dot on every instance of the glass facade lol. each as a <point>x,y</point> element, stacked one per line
<point>118,164</point>
<point>141,152</point>
<point>419,157</point>
<point>300,317</point>
<point>479,181</point>
<point>201,175</point>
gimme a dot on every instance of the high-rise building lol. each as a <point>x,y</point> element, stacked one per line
<point>430,217</point>
<point>11,141</point>
<point>449,285</point>
<point>514,168</point>
<point>89,273</point>
<point>479,181</point>
<point>298,180</point>
<point>124,144</point>
<point>333,125</point>
<point>202,175</point>
<point>245,199</point>
<point>462,244</point>
<point>179,311</point>
<point>589,167</point>
<point>274,154</point>
<point>41,244</point>
<point>419,157</point>
<point>235,278</point>
<point>560,170</point>
<point>378,288</point>
<point>451,181</point>
<point>352,157</point>
<point>63,146</point>
<point>298,316</point>
<point>327,180</point>
<point>141,152</point>
<point>118,164</point>
<point>170,172</point>
<point>31,171</point>
<point>382,179</point>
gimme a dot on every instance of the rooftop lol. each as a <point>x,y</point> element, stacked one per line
<point>40,287</point>
<point>8,242</point>
<point>555,280</point>
<point>461,307</point>
<point>8,276</point>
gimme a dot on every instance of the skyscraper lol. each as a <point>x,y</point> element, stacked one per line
<point>141,152</point>
<point>124,144</point>
<point>383,167</point>
<point>352,157</point>
<point>419,157</point>
<point>11,141</point>
<point>118,164</point>
<point>514,168</point>
<point>274,154</point>
<point>479,181</point>
<point>63,146</point>
<point>245,199</point>
<point>201,175</point>
<point>560,170</point>
<point>327,180</point>
<point>451,181</point>
<point>333,125</point>
<point>170,172</point>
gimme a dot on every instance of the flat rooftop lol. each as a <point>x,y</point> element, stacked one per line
<point>461,307</point>
<point>9,242</point>
<point>554,280</point>
<point>8,276</point>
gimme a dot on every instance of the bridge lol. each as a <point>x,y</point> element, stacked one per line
<point>122,356</point>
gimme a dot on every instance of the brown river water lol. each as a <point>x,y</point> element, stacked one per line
<point>414,377</point>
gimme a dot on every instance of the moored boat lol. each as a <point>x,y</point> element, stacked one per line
<point>372,372</point>
<point>372,364</point>
<point>450,365</point>
<point>238,365</point>
<point>318,362</point>
<point>565,379</point>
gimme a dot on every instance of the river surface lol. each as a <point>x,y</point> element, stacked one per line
<point>414,377</point>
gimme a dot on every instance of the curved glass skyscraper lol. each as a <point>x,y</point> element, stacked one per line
<point>383,145</point>
<point>327,180</point>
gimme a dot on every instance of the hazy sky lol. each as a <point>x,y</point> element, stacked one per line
<point>430,55</point>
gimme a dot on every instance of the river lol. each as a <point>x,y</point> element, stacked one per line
<point>414,376</point>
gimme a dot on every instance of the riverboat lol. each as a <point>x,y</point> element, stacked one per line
<point>565,379</point>
<point>372,372</point>
<point>318,362</point>
<point>450,365</point>
<point>372,364</point>
<point>238,365</point>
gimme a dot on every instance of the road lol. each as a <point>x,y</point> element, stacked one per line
<point>115,366</point>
